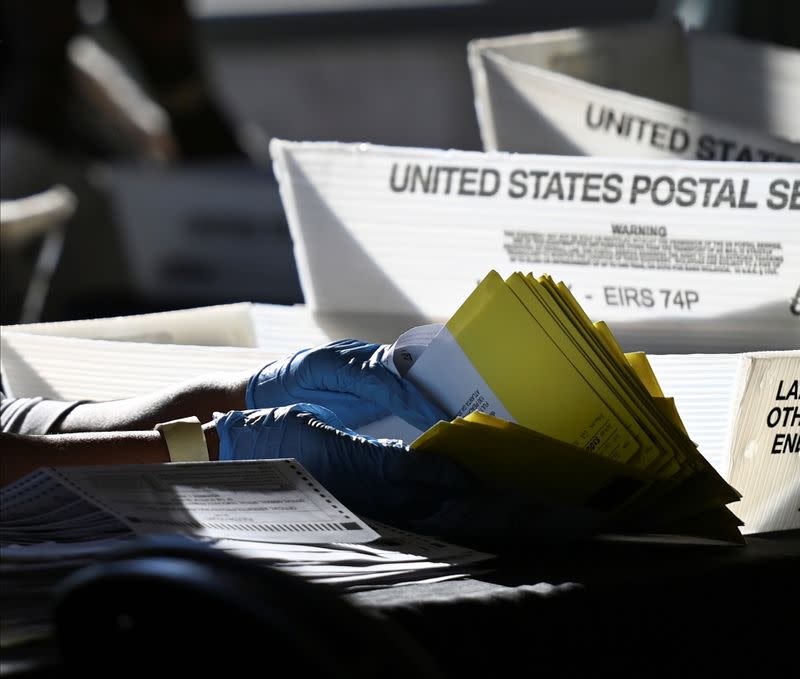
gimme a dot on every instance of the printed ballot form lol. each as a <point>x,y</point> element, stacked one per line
<point>648,90</point>
<point>258,500</point>
<point>676,256</point>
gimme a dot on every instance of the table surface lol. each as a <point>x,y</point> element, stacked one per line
<point>591,606</point>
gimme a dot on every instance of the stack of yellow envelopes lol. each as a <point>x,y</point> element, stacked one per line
<point>546,402</point>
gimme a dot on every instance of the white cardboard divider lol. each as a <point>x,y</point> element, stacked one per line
<point>740,411</point>
<point>223,324</point>
<point>74,368</point>
<point>110,358</point>
<point>677,256</point>
<point>640,90</point>
<point>118,357</point>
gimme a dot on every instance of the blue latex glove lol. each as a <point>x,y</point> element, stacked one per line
<point>384,480</point>
<point>378,478</point>
<point>348,378</point>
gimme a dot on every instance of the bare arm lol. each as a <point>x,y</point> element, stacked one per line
<point>200,397</point>
<point>23,454</point>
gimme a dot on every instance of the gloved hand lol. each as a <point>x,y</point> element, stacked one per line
<point>378,478</point>
<point>384,480</point>
<point>347,377</point>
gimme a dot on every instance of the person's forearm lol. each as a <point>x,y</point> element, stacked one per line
<point>201,397</point>
<point>24,454</point>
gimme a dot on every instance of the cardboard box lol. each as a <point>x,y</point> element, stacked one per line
<point>676,256</point>
<point>649,90</point>
<point>214,233</point>
<point>110,358</point>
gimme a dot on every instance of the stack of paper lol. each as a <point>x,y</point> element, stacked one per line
<point>28,573</point>
<point>57,520</point>
<point>565,414</point>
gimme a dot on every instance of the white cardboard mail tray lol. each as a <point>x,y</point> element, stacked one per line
<point>110,358</point>
<point>118,357</point>
<point>676,256</point>
<point>639,90</point>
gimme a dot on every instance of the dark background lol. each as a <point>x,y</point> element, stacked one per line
<point>383,72</point>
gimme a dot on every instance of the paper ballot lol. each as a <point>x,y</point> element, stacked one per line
<point>52,525</point>
<point>676,256</point>
<point>259,500</point>
<point>644,90</point>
